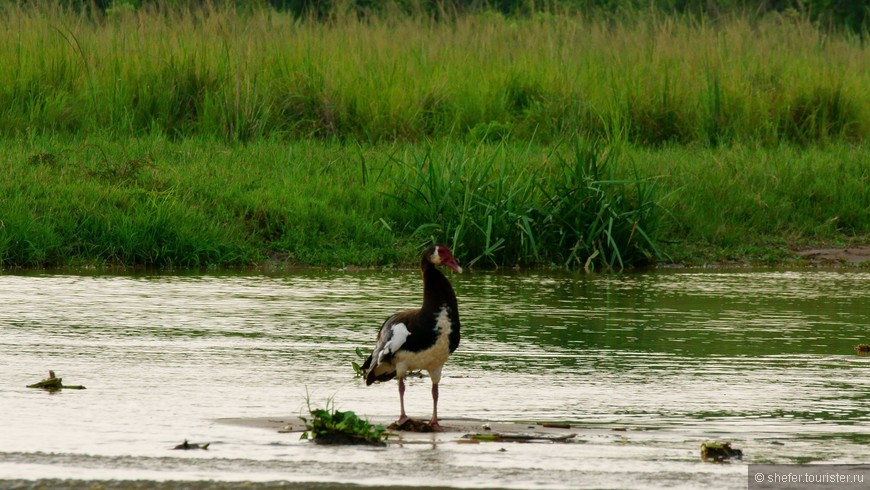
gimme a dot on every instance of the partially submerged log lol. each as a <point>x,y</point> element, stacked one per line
<point>53,383</point>
<point>48,384</point>
<point>719,452</point>
<point>189,445</point>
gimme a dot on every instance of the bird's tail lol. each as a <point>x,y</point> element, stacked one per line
<point>377,372</point>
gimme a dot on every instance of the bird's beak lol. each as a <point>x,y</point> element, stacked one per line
<point>451,262</point>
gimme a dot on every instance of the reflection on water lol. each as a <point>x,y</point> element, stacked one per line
<point>764,359</point>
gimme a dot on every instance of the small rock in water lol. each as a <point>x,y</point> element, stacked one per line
<point>862,348</point>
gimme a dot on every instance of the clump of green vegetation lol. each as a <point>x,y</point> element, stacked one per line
<point>330,426</point>
<point>591,212</point>
<point>357,369</point>
<point>571,210</point>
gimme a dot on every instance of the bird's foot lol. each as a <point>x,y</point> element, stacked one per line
<point>402,420</point>
<point>435,425</point>
<point>412,425</point>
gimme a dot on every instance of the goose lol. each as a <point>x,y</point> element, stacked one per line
<point>419,338</point>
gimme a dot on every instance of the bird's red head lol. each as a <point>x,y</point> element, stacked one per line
<point>441,255</point>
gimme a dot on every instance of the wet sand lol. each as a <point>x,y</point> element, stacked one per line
<point>55,484</point>
<point>452,429</point>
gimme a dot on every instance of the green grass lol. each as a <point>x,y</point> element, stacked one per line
<point>240,75</point>
<point>155,202</point>
<point>189,204</point>
<point>752,202</point>
<point>217,137</point>
<point>159,203</point>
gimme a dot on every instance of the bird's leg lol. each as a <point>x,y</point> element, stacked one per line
<point>435,376</point>
<point>402,417</point>
<point>434,421</point>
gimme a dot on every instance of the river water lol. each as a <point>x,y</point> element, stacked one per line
<point>648,366</point>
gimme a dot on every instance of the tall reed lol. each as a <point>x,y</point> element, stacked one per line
<point>239,75</point>
<point>570,210</point>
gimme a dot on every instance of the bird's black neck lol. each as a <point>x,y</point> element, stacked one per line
<point>437,291</point>
<point>438,294</point>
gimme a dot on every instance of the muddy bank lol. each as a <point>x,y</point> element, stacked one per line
<point>834,256</point>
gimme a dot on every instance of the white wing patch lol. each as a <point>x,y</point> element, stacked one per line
<point>398,335</point>
<point>430,359</point>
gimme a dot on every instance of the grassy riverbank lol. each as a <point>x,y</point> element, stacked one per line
<point>213,137</point>
<point>192,203</point>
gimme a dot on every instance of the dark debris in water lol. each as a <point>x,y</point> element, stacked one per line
<point>555,425</point>
<point>191,445</point>
<point>862,348</point>
<point>719,452</point>
<point>342,439</point>
<point>412,425</point>
<point>497,437</point>
<point>53,383</point>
